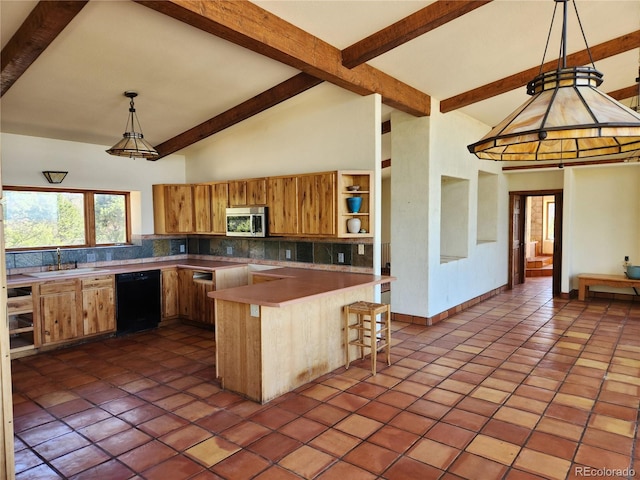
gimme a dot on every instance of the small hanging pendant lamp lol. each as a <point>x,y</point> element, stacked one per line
<point>133,144</point>
<point>566,118</point>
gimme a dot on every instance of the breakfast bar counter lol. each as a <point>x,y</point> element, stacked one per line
<point>274,336</point>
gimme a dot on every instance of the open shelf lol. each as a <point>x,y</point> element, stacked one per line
<point>20,319</point>
<point>362,179</point>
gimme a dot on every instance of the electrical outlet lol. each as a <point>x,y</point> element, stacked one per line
<point>183,248</point>
<point>360,249</point>
<point>254,310</point>
<point>340,257</point>
<point>229,250</point>
<point>109,256</point>
<point>91,257</point>
<point>287,254</point>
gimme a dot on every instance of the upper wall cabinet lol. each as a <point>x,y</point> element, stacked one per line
<point>173,208</point>
<point>325,204</point>
<point>282,198</point>
<point>244,193</point>
<point>219,204</point>
<point>317,204</point>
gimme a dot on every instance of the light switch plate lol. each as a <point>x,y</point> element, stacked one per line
<point>340,257</point>
<point>182,248</point>
<point>287,254</point>
<point>229,250</point>
<point>254,310</point>
<point>360,249</point>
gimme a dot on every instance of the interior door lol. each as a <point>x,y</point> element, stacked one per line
<point>516,233</point>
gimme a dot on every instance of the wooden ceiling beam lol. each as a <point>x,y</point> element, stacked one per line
<point>258,30</point>
<point>237,114</point>
<point>40,28</point>
<point>410,27</point>
<point>624,93</point>
<point>604,50</point>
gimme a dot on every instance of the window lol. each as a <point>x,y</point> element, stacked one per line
<point>41,218</point>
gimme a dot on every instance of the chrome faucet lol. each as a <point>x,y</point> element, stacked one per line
<point>59,254</point>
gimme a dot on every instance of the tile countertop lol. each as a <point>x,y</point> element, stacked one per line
<point>210,265</point>
<point>295,285</point>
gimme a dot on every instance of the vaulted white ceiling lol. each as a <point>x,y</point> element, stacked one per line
<point>185,76</point>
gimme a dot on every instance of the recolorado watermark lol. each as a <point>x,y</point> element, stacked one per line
<point>604,472</point>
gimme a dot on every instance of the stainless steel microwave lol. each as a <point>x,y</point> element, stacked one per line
<point>247,221</point>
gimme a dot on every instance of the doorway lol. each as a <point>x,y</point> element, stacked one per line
<point>535,232</point>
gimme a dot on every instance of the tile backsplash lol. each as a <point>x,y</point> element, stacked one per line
<point>271,249</point>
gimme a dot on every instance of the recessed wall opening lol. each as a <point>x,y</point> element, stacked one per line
<point>454,219</point>
<point>487,221</point>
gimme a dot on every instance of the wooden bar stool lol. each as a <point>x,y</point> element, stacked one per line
<point>368,334</point>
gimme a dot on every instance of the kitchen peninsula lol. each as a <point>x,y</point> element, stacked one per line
<point>285,329</point>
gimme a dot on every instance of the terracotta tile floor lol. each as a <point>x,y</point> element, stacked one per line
<point>520,387</point>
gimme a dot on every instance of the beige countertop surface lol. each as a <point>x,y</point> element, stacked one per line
<point>295,285</point>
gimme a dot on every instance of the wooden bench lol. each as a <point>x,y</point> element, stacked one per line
<point>587,280</point>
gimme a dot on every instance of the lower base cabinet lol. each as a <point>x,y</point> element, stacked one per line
<point>74,308</point>
<point>194,303</point>
<point>59,311</point>
<point>98,305</point>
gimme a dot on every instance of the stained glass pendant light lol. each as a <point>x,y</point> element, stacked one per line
<point>566,118</point>
<point>133,143</point>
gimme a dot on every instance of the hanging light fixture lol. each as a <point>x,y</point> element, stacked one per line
<point>566,118</point>
<point>133,143</point>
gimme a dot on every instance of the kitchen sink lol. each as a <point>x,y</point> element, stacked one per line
<point>65,273</point>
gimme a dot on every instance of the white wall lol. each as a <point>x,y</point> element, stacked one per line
<point>425,150</point>
<point>531,180</point>
<point>325,128</point>
<point>90,167</point>
<point>604,224</point>
<point>486,264</point>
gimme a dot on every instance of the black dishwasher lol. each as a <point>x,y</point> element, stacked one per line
<point>138,298</point>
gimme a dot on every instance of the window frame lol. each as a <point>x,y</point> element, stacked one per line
<point>89,215</point>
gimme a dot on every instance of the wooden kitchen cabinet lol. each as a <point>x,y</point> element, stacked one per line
<point>194,304</point>
<point>249,192</point>
<point>317,200</point>
<point>282,199</point>
<point>170,307</point>
<point>173,208</point>
<point>219,204</point>
<point>98,305</point>
<point>59,318</point>
<point>202,208</point>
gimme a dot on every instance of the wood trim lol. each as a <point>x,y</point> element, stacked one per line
<point>429,18</point>
<point>41,27</point>
<point>251,27</point>
<point>604,50</point>
<point>265,100</point>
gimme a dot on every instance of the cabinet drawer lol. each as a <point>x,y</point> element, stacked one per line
<point>20,304</point>
<point>51,288</point>
<point>97,282</point>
